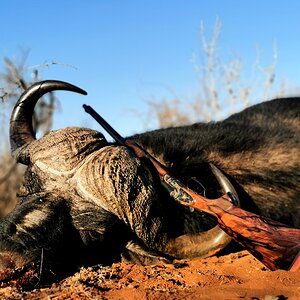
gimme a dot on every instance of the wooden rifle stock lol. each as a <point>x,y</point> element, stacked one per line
<point>276,245</point>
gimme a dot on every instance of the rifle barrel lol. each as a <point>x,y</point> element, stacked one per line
<point>115,135</point>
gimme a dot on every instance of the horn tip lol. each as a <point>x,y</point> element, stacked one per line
<point>49,85</point>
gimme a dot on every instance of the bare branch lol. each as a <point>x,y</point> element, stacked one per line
<point>224,87</point>
<point>52,63</point>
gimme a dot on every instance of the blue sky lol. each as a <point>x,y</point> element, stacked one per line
<point>128,51</point>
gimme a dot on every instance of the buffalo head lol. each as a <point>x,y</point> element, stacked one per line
<point>85,196</point>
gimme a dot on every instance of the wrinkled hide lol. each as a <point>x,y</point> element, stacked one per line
<point>86,201</point>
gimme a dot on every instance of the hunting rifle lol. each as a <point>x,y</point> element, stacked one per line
<point>275,244</point>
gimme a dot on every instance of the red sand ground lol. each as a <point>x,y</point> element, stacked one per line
<point>234,276</point>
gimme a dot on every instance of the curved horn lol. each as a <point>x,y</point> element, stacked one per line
<point>206,243</point>
<point>21,129</point>
<point>216,239</point>
<point>225,184</point>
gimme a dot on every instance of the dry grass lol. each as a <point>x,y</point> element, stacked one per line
<point>224,87</point>
<point>13,81</point>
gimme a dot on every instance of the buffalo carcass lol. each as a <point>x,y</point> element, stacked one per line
<point>86,201</point>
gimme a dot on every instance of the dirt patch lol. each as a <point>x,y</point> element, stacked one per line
<point>234,276</point>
